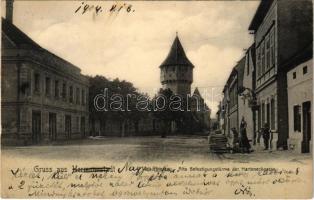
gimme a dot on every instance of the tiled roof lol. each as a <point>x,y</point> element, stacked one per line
<point>260,14</point>
<point>18,37</point>
<point>34,50</point>
<point>176,55</point>
<point>240,71</point>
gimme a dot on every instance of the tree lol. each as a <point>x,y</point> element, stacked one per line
<point>119,105</point>
<point>162,110</point>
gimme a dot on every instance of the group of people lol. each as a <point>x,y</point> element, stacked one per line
<point>241,142</point>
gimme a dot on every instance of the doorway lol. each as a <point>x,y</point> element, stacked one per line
<point>68,126</point>
<point>306,114</point>
<point>83,126</point>
<point>52,126</point>
<point>36,127</point>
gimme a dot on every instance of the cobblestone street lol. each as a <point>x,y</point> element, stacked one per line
<point>154,148</point>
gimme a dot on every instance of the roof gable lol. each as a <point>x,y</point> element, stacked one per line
<point>240,71</point>
<point>176,55</point>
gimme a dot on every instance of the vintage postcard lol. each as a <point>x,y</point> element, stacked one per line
<point>156,99</point>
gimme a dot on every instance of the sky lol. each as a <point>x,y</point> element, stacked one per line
<point>132,45</point>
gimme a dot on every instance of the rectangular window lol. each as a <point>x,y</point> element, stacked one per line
<point>36,82</point>
<point>268,113</point>
<point>64,90</point>
<point>56,89</point>
<point>263,114</point>
<point>294,75</point>
<point>83,97</point>
<point>48,86</point>
<point>272,115</point>
<point>77,96</point>
<point>305,70</point>
<point>258,62</point>
<point>297,118</point>
<point>272,47</point>
<point>259,119</point>
<point>267,52</point>
<point>263,58</point>
<point>68,126</point>
<point>71,94</point>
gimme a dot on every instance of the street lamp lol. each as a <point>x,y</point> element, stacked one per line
<point>251,96</point>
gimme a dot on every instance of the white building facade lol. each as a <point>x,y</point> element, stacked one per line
<point>300,102</point>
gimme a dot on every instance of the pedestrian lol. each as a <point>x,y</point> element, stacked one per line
<point>235,136</point>
<point>244,141</point>
<point>266,135</point>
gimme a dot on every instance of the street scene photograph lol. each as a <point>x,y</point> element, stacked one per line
<point>168,92</point>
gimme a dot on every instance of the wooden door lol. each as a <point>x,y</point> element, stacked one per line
<point>307,123</point>
<point>36,127</point>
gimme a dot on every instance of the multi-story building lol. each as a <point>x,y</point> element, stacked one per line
<point>246,97</point>
<point>300,101</point>
<point>230,102</point>
<point>281,29</point>
<point>43,97</point>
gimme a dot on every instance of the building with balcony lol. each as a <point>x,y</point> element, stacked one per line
<point>281,28</point>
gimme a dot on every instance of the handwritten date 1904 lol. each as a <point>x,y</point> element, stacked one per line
<point>85,7</point>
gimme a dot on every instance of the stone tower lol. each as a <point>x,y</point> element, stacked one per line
<point>176,72</point>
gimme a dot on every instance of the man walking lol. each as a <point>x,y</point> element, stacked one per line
<point>266,135</point>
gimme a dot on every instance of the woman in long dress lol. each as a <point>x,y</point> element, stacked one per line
<point>244,141</point>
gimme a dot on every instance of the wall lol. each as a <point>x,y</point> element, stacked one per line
<point>265,96</point>
<point>177,78</point>
<point>300,90</point>
<point>296,14</point>
<point>299,15</point>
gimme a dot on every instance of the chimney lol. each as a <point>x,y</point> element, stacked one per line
<point>9,10</point>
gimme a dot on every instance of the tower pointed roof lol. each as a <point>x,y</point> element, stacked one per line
<point>197,92</point>
<point>176,55</point>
